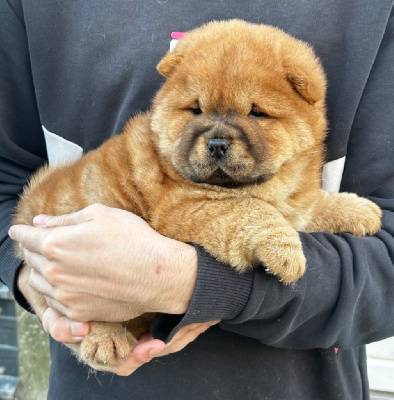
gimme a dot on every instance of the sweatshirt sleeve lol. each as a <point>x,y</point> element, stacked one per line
<point>22,146</point>
<point>346,297</point>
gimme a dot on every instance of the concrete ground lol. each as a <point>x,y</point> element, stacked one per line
<point>34,359</point>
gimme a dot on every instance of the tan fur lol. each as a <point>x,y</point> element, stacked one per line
<point>160,169</point>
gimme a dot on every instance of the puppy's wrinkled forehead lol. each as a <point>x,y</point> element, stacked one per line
<point>232,74</point>
<point>237,57</point>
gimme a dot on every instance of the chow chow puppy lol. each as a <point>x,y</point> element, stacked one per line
<point>229,157</point>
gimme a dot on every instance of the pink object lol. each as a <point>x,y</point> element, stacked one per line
<point>177,35</point>
<point>336,350</point>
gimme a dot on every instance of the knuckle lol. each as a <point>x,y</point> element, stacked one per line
<point>50,246</point>
<point>61,296</point>
<point>61,220</point>
<point>32,279</point>
<point>177,347</point>
<point>51,273</point>
<point>93,210</point>
<point>51,302</point>
<point>27,257</point>
<point>73,314</point>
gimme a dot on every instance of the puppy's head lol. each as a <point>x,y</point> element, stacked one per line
<point>240,101</point>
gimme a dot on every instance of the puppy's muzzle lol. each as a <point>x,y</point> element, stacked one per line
<point>217,148</point>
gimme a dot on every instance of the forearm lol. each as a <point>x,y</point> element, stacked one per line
<point>9,264</point>
<point>22,147</point>
<point>335,304</point>
<point>344,300</point>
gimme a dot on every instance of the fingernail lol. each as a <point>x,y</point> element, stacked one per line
<point>40,220</point>
<point>78,338</point>
<point>78,329</point>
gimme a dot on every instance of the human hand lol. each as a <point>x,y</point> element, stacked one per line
<point>64,330</point>
<point>106,264</point>
<point>148,348</point>
<point>58,326</point>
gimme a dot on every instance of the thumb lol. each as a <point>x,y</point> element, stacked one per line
<point>62,329</point>
<point>51,221</point>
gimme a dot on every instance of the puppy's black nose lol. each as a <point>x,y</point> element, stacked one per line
<point>217,148</point>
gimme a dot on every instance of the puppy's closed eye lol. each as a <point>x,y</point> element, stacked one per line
<point>196,110</point>
<point>256,113</point>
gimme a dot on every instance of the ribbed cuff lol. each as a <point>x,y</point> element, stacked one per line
<point>9,271</point>
<point>220,293</point>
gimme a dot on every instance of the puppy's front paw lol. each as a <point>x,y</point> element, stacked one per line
<point>366,216</point>
<point>286,260</point>
<point>106,346</point>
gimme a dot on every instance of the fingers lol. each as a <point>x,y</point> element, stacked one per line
<point>141,354</point>
<point>38,282</point>
<point>35,300</point>
<point>78,217</point>
<point>51,294</point>
<point>57,325</point>
<point>145,338</point>
<point>35,260</point>
<point>145,351</point>
<point>49,221</point>
<point>62,329</point>
<point>185,336</point>
<point>30,237</point>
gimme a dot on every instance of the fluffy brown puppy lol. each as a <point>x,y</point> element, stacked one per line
<point>229,157</point>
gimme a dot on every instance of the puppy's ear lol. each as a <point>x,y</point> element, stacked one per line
<point>309,84</point>
<point>304,72</point>
<point>168,64</point>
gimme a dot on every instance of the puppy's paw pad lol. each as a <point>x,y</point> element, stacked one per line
<point>110,349</point>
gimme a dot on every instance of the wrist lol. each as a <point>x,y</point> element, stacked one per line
<point>180,266</point>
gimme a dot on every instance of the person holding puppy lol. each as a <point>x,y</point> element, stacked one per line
<point>273,341</point>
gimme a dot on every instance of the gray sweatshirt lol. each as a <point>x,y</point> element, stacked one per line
<point>72,73</point>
